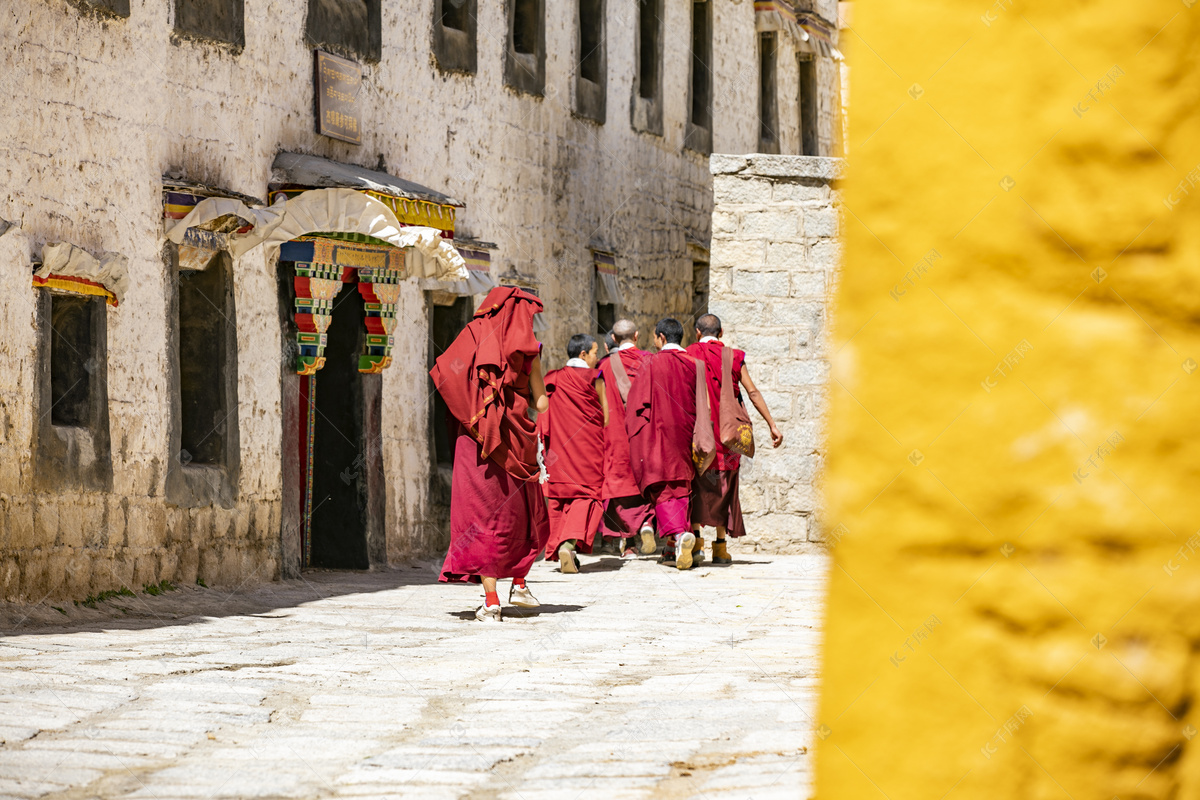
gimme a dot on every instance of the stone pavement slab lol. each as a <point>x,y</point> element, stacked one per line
<point>630,681</point>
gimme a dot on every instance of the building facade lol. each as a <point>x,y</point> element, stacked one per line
<point>155,424</point>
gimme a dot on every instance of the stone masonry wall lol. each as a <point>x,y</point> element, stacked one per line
<point>775,264</point>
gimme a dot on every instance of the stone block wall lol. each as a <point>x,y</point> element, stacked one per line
<point>775,264</point>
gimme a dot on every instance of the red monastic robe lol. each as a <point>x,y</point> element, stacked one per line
<point>660,416</point>
<point>625,510</point>
<point>573,440</point>
<point>715,500</point>
<point>498,519</point>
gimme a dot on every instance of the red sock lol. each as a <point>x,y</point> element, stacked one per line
<point>491,599</point>
<point>519,583</point>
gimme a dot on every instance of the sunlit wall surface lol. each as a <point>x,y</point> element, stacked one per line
<point>1014,468</point>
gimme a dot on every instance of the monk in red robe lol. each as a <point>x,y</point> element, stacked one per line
<point>660,418</point>
<point>488,377</point>
<point>715,499</point>
<point>572,433</point>
<point>626,511</point>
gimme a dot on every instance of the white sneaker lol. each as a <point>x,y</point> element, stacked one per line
<point>521,596</point>
<point>648,543</point>
<point>567,563</point>
<point>683,550</point>
<point>486,613</point>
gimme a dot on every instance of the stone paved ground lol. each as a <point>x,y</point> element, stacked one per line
<point>631,681</point>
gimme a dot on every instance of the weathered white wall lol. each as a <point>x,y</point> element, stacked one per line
<point>775,263</point>
<point>100,108</point>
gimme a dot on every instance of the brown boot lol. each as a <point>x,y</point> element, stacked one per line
<point>698,550</point>
<point>719,554</point>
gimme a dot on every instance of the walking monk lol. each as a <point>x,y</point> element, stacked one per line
<point>488,377</point>
<point>573,442</point>
<point>661,419</point>
<point>626,511</point>
<point>715,499</point>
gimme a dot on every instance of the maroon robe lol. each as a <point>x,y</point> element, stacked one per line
<point>626,511</point>
<point>715,500</point>
<point>573,441</point>
<point>660,416</point>
<point>498,519</point>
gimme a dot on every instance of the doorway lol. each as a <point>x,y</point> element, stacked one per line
<point>340,462</point>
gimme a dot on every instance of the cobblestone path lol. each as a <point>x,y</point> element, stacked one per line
<point>631,681</point>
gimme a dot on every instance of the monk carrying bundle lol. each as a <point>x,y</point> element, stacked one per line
<point>488,377</point>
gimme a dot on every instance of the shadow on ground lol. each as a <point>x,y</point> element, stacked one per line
<point>187,605</point>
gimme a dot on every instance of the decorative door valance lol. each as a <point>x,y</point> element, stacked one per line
<point>812,34</point>
<point>72,269</point>
<point>607,289</point>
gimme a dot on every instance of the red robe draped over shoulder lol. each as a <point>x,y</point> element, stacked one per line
<point>710,354</point>
<point>498,519</point>
<point>660,415</point>
<point>618,471</point>
<point>573,440</point>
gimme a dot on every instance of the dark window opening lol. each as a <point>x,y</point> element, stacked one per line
<point>454,25</point>
<point>701,56</point>
<point>347,27</point>
<point>809,144</point>
<point>699,128</point>
<point>768,126</point>
<point>525,56</point>
<point>117,8</point>
<point>526,26</point>
<point>204,328</point>
<point>591,33</point>
<point>648,15</point>
<point>699,295</point>
<point>455,14</point>
<point>606,317</point>
<point>72,359</point>
<point>446,323</point>
<point>218,20</point>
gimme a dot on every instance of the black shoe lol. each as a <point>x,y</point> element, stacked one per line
<point>667,559</point>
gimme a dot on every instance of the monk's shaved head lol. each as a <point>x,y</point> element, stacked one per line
<point>708,325</point>
<point>624,331</point>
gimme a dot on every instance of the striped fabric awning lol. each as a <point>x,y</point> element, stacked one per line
<point>407,211</point>
<point>821,36</point>
<point>607,289</point>
<point>67,268</point>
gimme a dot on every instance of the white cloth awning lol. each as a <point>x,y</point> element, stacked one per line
<point>63,259</point>
<point>431,256</point>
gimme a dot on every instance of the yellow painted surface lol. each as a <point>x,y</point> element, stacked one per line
<point>1014,469</point>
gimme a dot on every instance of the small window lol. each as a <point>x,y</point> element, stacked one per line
<point>350,28</point>
<point>809,144</point>
<point>454,27</point>
<point>699,296</point>
<point>204,328</point>
<point>445,324</point>
<point>71,429</point>
<point>525,64</point>
<point>768,116</point>
<point>699,129</point>
<point>117,8</point>
<point>647,101</point>
<point>217,20</point>
<point>590,82</point>
<point>72,358</point>
<point>606,317</point>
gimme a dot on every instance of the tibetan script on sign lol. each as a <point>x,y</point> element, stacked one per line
<point>336,85</point>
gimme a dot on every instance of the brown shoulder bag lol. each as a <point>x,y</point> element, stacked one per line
<point>737,434</point>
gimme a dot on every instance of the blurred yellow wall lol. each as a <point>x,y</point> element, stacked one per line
<point>1014,470</point>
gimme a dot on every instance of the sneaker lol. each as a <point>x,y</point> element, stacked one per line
<point>629,554</point>
<point>649,545</point>
<point>486,613</point>
<point>720,555</point>
<point>567,562</point>
<point>522,597</point>
<point>667,559</point>
<point>683,550</point>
